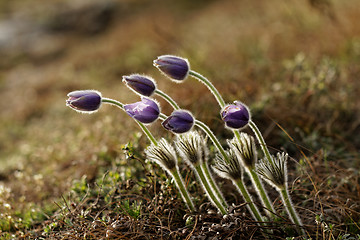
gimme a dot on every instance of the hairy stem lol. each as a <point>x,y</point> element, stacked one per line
<point>211,87</point>
<point>261,192</point>
<point>208,190</point>
<point>181,186</point>
<point>261,140</point>
<point>206,171</point>
<point>294,217</point>
<point>168,99</point>
<point>213,138</point>
<point>250,205</point>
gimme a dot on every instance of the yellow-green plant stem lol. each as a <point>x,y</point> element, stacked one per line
<point>213,138</point>
<point>209,85</point>
<point>209,190</point>
<point>270,211</point>
<point>250,205</point>
<point>181,186</point>
<point>175,173</point>
<point>167,98</point>
<point>294,217</point>
<point>208,176</point>
<point>258,185</point>
<point>205,179</point>
<point>261,140</point>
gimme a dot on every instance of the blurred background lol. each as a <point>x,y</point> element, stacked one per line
<point>295,63</point>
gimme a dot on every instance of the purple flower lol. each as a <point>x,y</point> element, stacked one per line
<point>145,111</point>
<point>235,115</point>
<point>140,84</point>
<point>175,68</point>
<point>180,121</point>
<point>86,101</point>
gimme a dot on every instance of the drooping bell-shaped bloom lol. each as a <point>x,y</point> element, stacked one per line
<point>180,121</point>
<point>176,68</point>
<point>235,115</point>
<point>145,111</point>
<point>142,85</point>
<point>85,101</point>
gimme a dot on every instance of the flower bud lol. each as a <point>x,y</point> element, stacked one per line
<point>85,101</point>
<point>163,154</point>
<point>191,147</point>
<point>275,174</point>
<point>176,68</point>
<point>236,115</point>
<point>145,111</point>
<point>245,148</point>
<point>140,84</point>
<point>230,169</point>
<point>180,121</point>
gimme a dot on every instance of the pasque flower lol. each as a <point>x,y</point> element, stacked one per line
<point>140,84</point>
<point>145,111</point>
<point>180,121</point>
<point>86,101</point>
<point>175,68</point>
<point>235,115</point>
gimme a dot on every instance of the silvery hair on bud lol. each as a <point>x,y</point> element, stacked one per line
<point>164,154</point>
<point>275,175</point>
<point>245,149</point>
<point>191,146</point>
<point>231,169</point>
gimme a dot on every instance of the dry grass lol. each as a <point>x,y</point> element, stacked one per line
<point>296,63</point>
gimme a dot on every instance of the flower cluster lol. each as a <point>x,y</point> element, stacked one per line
<point>233,163</point>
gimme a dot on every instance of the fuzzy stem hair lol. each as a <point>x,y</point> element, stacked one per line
<point>192,147</point>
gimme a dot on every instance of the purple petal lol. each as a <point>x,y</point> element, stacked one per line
<point>140,84</point>
<point>180,121</point>
<point>85,100</point>
<point>145,111</point>
<point>235,115</point>
<point>174,67</point>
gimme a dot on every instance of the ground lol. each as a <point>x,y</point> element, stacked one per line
<point>67,175</point>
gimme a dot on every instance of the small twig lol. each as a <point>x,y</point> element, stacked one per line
<point>161,226</point>
<point>170,217</point>
<point>66,204</point>
<point>193,230</point>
